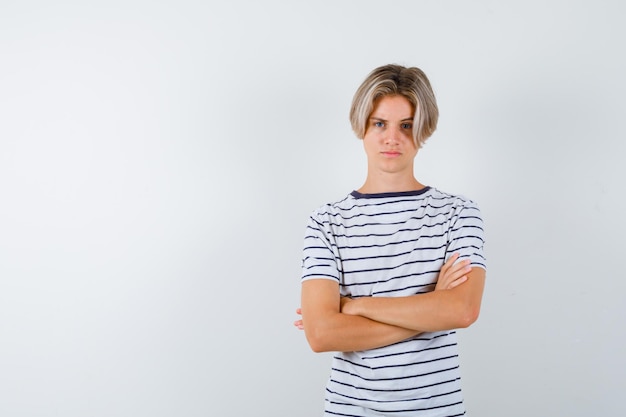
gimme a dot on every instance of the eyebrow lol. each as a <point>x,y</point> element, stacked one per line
<point>410,119</point>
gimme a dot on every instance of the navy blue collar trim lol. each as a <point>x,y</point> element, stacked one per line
<point>357,194</point>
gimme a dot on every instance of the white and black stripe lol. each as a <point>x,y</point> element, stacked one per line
<point>393,244</point>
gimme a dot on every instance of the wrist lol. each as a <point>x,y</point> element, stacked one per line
<point>349,305</point>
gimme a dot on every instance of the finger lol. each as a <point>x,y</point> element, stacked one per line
<point>456,272</point>
<point>457,282</point>
<point>458,269</point>
<point>449,263</point>
<point>453,281</point>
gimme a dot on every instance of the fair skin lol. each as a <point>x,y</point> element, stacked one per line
<point>334,323</point>
<point>390,148</point>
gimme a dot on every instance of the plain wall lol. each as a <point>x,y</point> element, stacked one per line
<point>158,161</point>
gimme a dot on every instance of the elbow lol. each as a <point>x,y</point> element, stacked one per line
<point>468,315</point>
<point>317,340</point>
<point>318,348</point>
<point>315,343</point>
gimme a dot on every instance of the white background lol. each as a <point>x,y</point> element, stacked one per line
<point>158,161</point>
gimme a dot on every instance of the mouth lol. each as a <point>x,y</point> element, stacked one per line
<point>391,154</point>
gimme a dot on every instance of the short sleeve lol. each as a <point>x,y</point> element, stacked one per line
<point>319,260</point>
<point>466,235</point>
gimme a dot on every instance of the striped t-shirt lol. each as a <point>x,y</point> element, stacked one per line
<point>393,245</point>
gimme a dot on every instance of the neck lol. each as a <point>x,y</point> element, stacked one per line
<point>389,183</point>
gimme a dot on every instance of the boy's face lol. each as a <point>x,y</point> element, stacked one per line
<point>388,139</point>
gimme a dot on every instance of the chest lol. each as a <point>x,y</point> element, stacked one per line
<point>393,254</point>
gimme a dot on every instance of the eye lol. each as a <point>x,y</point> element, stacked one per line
<point>406,126</point>
<point>379,124</point>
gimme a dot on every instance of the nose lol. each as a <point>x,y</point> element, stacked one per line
<point>394,136</point>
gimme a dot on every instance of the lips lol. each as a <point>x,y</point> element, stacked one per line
<point>391,154</point>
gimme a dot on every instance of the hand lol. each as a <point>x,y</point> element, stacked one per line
<point>344,302</point>
<point>298,323</point>
<point>347,305</point>
<point>453,274</point>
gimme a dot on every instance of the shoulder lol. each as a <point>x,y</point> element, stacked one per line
<point>332,209</point>
<point>459,201</point>
<point>323,221</point>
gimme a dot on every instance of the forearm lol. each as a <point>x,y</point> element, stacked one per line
<point>328,329</point>
<point>347,333</point>
<point>434,311</point>
<point>424,311</point>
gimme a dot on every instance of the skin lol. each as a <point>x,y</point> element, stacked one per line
<point>334,323</point>
<point>390,148</point>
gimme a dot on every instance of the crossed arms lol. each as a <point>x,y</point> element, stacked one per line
<point>335,323</point>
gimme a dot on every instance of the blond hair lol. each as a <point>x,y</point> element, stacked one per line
<point>391,80</point>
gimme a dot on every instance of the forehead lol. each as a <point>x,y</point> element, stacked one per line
<point>393,107</point>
